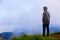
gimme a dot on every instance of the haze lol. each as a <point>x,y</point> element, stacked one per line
<point>26,14</point>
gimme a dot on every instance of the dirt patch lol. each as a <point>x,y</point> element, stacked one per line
<point>56,36</point>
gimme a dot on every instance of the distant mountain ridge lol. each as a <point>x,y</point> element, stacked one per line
<point>18,32</point>
<point>6,35</point>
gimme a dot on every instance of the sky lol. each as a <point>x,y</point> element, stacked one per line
<point>26,14</point>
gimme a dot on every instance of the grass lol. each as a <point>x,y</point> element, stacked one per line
<point>53,36</point>
<point>56,35</point>
<point>34,37</point>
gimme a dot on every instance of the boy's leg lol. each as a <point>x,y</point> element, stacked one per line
<point>43,30</point>
<point>47,29</point>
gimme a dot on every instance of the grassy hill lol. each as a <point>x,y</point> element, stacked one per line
<point>54,36</point>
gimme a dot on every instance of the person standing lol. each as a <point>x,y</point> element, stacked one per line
<point>46,20</point>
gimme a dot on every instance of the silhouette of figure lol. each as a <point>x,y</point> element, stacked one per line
<point>46,20</point>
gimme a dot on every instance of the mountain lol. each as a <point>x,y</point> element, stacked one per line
<point>54,28</point>
<point>6,35</point>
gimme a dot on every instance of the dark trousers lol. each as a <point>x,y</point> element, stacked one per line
<point>47,27</point>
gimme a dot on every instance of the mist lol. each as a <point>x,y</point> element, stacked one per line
<point>27,14</point>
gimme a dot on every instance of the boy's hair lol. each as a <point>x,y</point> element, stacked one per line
<point>45,7</point>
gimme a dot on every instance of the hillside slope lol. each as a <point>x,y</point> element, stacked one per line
<point>56,36</point>
<point>53,36</point>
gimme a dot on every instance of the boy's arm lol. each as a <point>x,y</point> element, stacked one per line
<point>43,17</point>
<point>49,15</point>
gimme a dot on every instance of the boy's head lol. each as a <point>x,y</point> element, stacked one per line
<point>45,8</point>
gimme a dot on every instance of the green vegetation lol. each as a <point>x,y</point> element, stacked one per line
<point>55,33</point>
<point>32,37</point>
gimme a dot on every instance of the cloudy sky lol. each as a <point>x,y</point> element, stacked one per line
<point>26,14</point>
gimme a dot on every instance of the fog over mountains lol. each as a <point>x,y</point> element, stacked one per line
<point>37,29</point>
<point>25,16</point>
